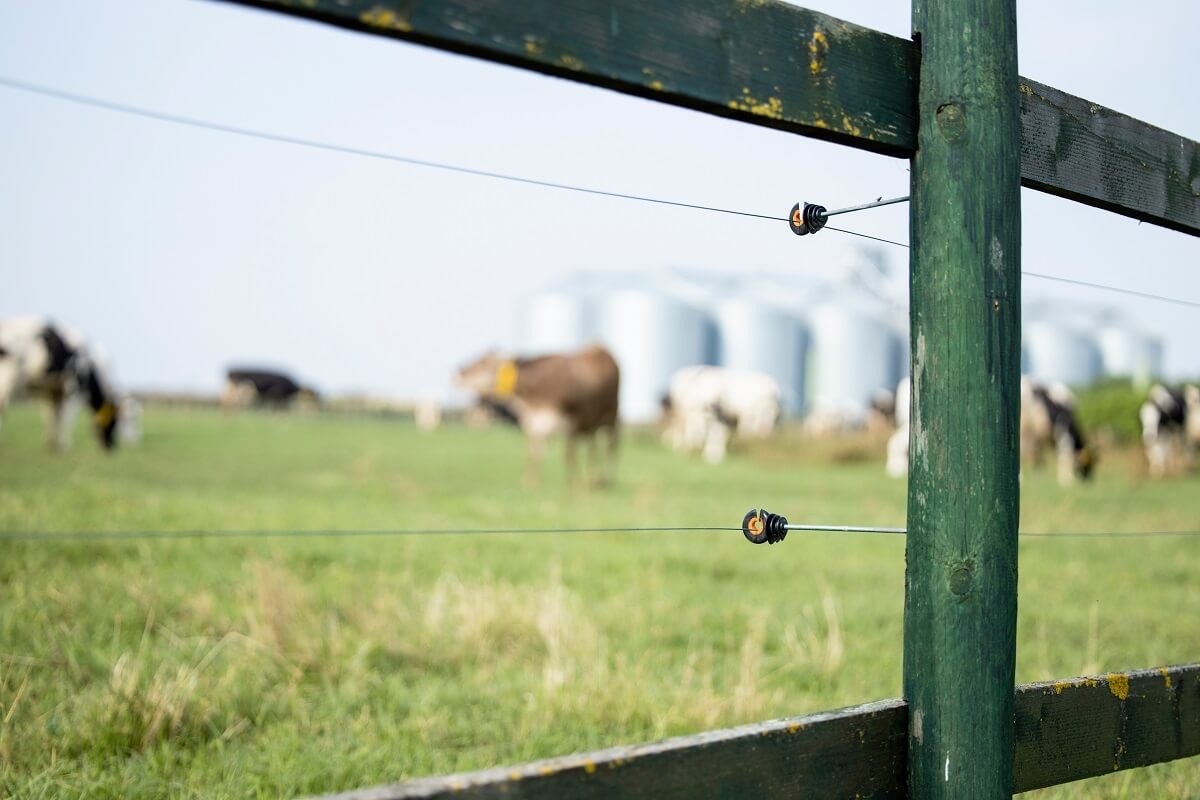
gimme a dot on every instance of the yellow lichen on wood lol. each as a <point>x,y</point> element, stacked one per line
<point>656,85</point>
<point>772,107</point>
<point>1118,684</point>
<point>818,48</point>
<point>572,63</point>
<point>533,46</point>
<point>380,17</point>
<point>1166,673</point>
<point>589,767</point>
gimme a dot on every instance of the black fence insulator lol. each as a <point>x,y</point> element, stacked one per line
<point>809,219</point>
<point>760,525</point>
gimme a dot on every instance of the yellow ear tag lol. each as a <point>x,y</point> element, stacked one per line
<point>104,414</point>
<point>506,378</point>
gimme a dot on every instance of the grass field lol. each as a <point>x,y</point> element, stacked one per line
<point>270,667</point>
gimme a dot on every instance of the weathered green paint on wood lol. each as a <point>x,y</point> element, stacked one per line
<point>960,608</point>
<point>855,752</point>
<point>756,60</point>
<point>1085,152</point>
<point>1085,727</point>
<point>766,63</point>
<point>1065,731</point>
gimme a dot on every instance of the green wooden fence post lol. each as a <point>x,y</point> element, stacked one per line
<point>961,581</point>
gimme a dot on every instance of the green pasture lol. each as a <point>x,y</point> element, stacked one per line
<point>284,666</point>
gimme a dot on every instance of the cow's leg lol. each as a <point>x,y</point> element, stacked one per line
<point>64,408</point>
<point>716,441</point>
<point>572,465</point>
<point>897,453</point>
<point>533,463</point>
<point>1066,458</point>
<point>606,476</point>
<point>8,382</point>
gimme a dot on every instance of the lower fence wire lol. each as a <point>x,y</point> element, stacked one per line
<point>92,535</point>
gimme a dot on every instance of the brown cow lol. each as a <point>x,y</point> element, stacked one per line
<point>575,393</point>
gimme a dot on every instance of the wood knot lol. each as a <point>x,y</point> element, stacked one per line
<point>951,121</point>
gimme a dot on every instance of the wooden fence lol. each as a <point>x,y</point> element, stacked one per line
<point>950,100</point>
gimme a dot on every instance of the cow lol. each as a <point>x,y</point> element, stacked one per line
<point>897,446</point>
<point>1047,422</point>
<point>881,413</point>
<point>246,386</point>
<point>1170,420</point>
<point>575,394</point>
<point>707,406</point>
<point>52,361</point>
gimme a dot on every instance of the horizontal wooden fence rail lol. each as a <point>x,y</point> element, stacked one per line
<point>1065,731</point>
<point>789,68</point>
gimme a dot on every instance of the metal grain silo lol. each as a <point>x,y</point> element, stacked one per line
<point>1129,353</point>
<point>651,334</point>
<point>752,334</point>
<point>556,320</point>
<point>855,351</point>
<point>1059,351</point>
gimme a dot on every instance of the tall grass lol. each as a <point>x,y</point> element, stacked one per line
<point>281,667</point>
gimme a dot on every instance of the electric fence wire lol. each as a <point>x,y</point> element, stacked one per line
<point>94,535</point>
<point>300,142</point>
<point>160,116</point>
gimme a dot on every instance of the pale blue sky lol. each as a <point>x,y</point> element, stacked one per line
<point>181,250</point>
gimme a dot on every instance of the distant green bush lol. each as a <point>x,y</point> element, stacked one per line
<point>1111,405</point>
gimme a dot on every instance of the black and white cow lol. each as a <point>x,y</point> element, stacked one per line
<point>1047,423</point>
<point>247,386</point>
<point>53,361</point>
<point>1170,427</point>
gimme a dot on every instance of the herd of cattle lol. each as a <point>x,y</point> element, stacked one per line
<point>577,395</point>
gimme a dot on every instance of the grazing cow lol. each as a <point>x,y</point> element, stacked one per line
<point>706,406</point>
<point>245,387</point>
<point>1170,427</point>
<point>574,393</point>
<point>1047,422</point>
<point>55,362</point>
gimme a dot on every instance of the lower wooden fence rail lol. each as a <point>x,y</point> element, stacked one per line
<point>1065,731</point>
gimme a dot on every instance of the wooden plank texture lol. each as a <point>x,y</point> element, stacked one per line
<point>761,61</point>
<point>960,598</point>
<point>855,752</point>
<point>1085,727</point>
<point>1085,152</point>
<point>1065,731</point>
<point>767,63</point>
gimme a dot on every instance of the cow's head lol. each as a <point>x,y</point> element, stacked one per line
<point>106,418</point>
<point>105,414</point>
<point>1085,461</point>
<point>490,375</point>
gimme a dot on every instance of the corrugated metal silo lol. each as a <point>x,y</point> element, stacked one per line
<point>855,351</point>
<point>651,334</point>
<point>754,335</point>
<point>1129,353</point>
<point>556,320</point>
<point>1061,352</point>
